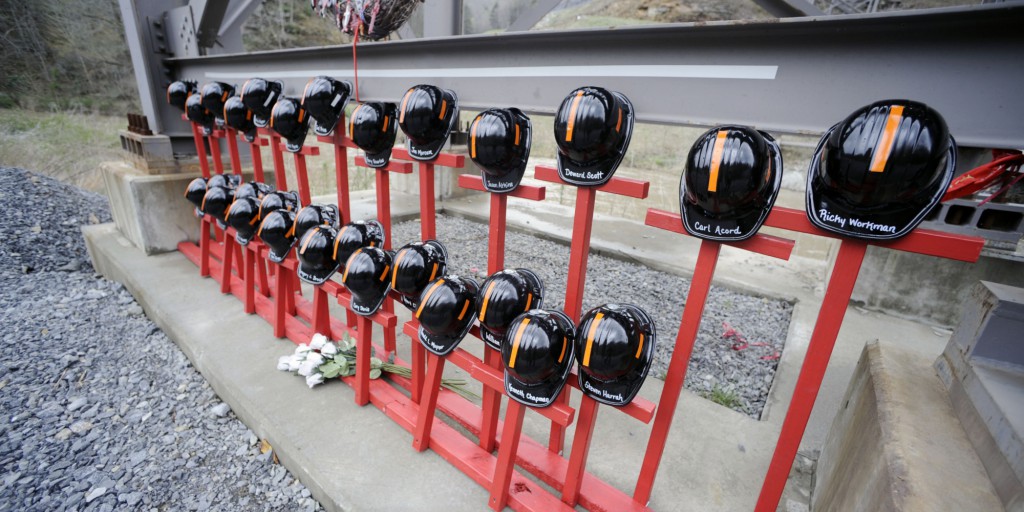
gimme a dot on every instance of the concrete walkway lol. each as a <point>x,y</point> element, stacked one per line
<point>355,458</point>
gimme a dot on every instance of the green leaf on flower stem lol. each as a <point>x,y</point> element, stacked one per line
<point>375,373</point>
<point>340,359</point>
<point>329,367</point>
<point>343,367</point>
<point>331,373</point>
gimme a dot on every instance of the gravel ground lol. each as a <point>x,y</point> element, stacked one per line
<point>100,410</point>
<point>739,379</point>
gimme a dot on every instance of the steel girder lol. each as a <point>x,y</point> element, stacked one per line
<point>797,75</point>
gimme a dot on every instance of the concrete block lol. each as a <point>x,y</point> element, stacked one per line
<point>896,443</point>
<point>983,372</point>
<point>150,210</point>
<point>151,154</point>
<point>925,287</point>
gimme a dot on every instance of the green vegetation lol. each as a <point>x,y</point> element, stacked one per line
<point>724,398</point>
<point>65,145</point>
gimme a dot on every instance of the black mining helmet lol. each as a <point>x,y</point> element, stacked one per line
<point>244,212</point>
<point>214,95</point>
<point>276,232</point>
<point>316,255</point>
<point>240,118</point>
<point>216,201</point>
<point>446,313</point>
<point>195,191</point>
<point>592,130</point>
<point>538,352</point>
<point>316,215</point>
<point>259,96</point>
<point>290,121</point>
<point>368,278</point>
<point>197,113</point>
<point>878,173</point>
<point>324,99</point>
<point>416,265</point>
<point>372,127</point>
<point>505,295</point>
<point>427,116</point>
<point>356,235</point>
<point>730,182</point>
<point>499,144</point>
<point>277,200</point>
<point>178,93</point>
<point>614,348</point>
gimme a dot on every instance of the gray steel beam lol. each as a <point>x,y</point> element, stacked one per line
<point>789,8</point>
<point>798,75</point>
<point>442,18</point>
<point>536,12</point>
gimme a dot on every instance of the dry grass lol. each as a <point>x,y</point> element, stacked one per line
<point>64,145</point>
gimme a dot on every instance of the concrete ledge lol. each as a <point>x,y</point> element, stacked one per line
<point>897,444</point>
<point>351,458</point>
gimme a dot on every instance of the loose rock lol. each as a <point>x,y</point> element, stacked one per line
<point>98,404</point>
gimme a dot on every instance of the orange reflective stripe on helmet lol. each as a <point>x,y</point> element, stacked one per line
<point>618,124</point>
<point>344,277</point>
<point>304,91</point>
<point>427,296</point>
<point>244,87</point>
<point>641,347</point>
<point>384,274</point>
<point>464,309</point>
<point>590,338</point>
<point>472,138</point>
<point>487,299</point>
<point>394,277</point>
<point>308,237</point>
<point>433,273</point>
<point>515,344</point>
<point>352,121</point>
<point>884,147</point>
<point>336,240</point>
<point>385,127</point>
<point>444,109</point>
<point>716,159</point>
<point>529,301</point>
<point>517,134</point>
<point>572,116</point>
<point>565,343</point>
<point>291,230</point>
<point>401,114</point>
<point>302,114</point>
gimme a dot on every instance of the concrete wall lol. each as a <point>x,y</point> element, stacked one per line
<point>926,287</point>
<point>896,443</point>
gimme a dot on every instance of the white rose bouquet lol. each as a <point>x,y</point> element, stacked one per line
<point>322,359</point>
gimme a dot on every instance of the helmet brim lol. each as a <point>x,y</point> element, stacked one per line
<point>541,394</point>
<point>440,344</point>
<point>429,151</point>
<point>502,183</point>
<point>316,277</point>
<point>735,228</point>
<point>278,256</point>
<point>294,144</point>
<point>367,307</point>
<point>621,391</point>
<point>601,170</point>
<point>825,212</point>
